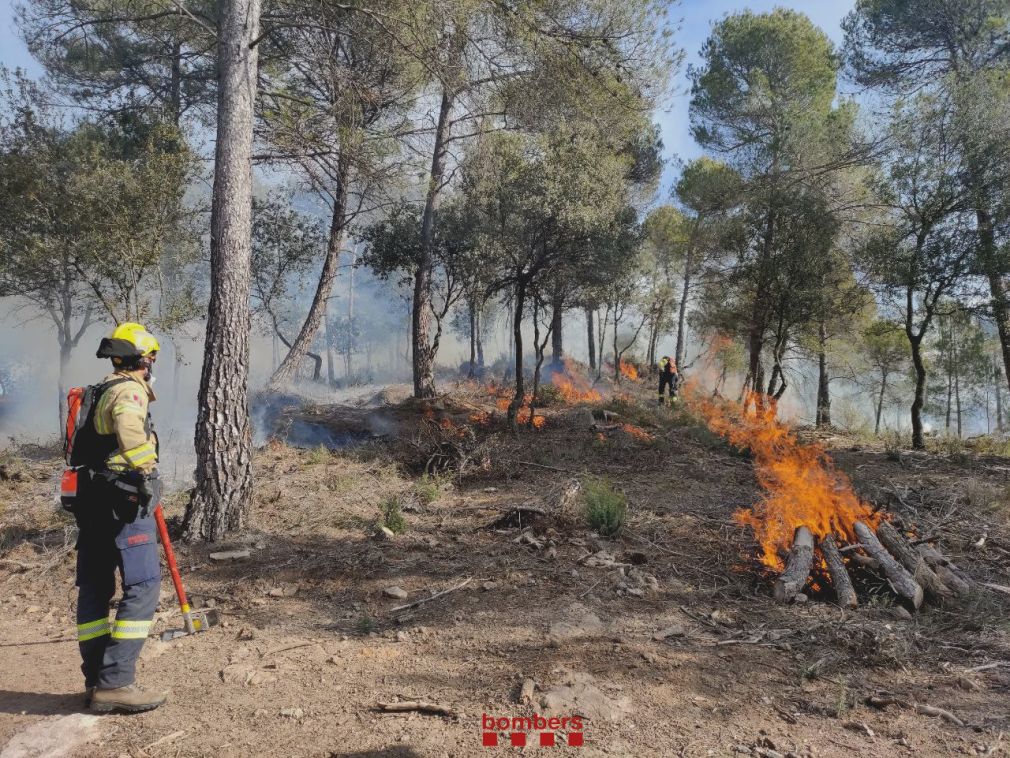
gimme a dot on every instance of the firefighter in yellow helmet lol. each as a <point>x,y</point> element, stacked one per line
<point>669,379</point>
<point>116,523</point>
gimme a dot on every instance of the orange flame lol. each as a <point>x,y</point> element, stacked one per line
<point>802,486</point>
<point>481,418</point>
<point>637,432</point>
<point>573,385</point>
<point>628,371</point>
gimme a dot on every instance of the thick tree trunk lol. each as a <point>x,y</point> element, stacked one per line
<point>317,310</point>
<point>331,371</point>
<point>918,439</point>
<point>62,385</point>
<point>349,346</point>
<point>557,338</point>
<point>223,438</point>
<point>602,338</point>
<point>592,338</point>
<point>998,387</point>
<point>424,358</point>
<point>480,344</point>
<point>823,384</point>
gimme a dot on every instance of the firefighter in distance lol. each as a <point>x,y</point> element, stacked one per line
<point>669,380</point>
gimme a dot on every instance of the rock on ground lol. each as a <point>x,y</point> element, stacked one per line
<point>578,694</point>
<point>53,737</point>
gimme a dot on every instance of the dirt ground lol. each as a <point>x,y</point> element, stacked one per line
<point>665,639</point>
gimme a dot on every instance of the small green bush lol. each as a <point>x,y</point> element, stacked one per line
<point>547,396</point>
<point>317,455</point>
<point>427,489</point>
<point>606,507</point>
<point>392,517</point>
<point>366,624</point>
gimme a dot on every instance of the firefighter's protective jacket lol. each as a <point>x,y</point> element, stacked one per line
<point>123,411</point>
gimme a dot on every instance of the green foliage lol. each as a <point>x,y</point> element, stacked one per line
<point>317,455</point>
<point>606,507</point>
<point>427,489</point>
<point>548,396</point>
<point>365,624</point>
<point>392,516</point>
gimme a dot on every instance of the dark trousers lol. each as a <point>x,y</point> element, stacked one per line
<point>110,648</point>
<point>667,382</point>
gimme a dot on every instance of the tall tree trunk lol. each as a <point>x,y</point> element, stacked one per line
<point>349,346</point>
<point>223,437</point>
<point>880,403</point>
<point>602,337</point>
<point>471,372</point>
<point>823,385</point>
<point>918,440</point>
<point>686,293</point>
<point>62,383</point>
<point>424,358</point>
<point>517,337</point>
<point>557,340</point>
<point>957,399</point>
<point>592,339</point>
<point>997,289</point>
<point>998,387</point>
<point>317,310</point>
<point>479,326</point>
<point>331,370</point>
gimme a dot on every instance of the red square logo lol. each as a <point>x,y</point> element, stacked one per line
<point>546,739</point>
<point>518,739</point>
<point>490,739</point>
<point>575,739</point>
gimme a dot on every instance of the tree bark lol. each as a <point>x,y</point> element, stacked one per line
<point>840,580</point>
<point>997,385</point>
<point>592,339</point>
<point>823,385</point>
<point>557,338</point>
<point>900,580</point>
<point>918,440</point>
<point>794,578</point>
<point>473,341</point>
<point>686,294</point>
<point>223,437</point>
<point>317,310</point>
<point>424,358</point>
<point>349,346</point>
<point>908,557</point>
<point>880,403</point>
<point>517,338</point>
<point>480,344</point>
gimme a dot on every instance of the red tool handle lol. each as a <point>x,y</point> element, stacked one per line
<point>173,567</point>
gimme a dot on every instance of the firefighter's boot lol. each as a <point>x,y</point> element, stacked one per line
<point>131,698</point>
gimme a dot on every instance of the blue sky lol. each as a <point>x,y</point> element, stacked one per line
<point>696,17</point>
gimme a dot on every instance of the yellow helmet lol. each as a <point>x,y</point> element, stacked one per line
<point>138,336</point>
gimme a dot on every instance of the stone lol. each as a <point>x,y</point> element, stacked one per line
<point>229,555</point>
<point>395,592</point>
<point>292,713</point>
<point>674,630</point>
<point>581,622</point>
<point>56,737</point>
<point>488,586</point>
<point>579,694</point>
<point>526,691</point>
<point>285,590</point>
<point>385,533</point>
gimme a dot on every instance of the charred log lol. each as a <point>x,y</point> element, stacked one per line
<point>794,578</point>
<point>902,582</point>
<point>839,574</point>
<point>898,546</point>
<point>949,574</point>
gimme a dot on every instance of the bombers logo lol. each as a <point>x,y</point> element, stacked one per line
<point>518,728</point>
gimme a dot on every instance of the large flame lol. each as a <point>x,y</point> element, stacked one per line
<point>573,385</point>
<point>628,371</point>
<point>802,486</point>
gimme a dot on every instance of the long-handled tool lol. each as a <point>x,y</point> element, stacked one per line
<point>195,621</point>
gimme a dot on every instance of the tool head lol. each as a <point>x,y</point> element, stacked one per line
<point>201,621</point>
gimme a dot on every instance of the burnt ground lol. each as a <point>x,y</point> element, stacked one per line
<point>309,642</point>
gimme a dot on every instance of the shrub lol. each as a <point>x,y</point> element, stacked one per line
<point>392,517</point>
<point>606,507</point>
<point>427,489</point>
<point>548,395</point>
<point>317,455</point>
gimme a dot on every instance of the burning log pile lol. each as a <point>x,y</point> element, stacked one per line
<point>812,529</point>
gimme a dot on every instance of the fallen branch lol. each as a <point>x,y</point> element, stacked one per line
<point>882,701</point>
<point>900,580</point>
<point>794,578</point>
<point>437,595</point>
<point>912,560</point>
<point>840,580</point>
<point>416,705</point>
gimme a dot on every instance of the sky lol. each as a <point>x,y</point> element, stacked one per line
<point>696,18</point>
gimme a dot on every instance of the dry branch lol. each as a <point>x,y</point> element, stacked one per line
<point>801,556</point>
<point>839,574</point>
<point>901,581</point>
<point>950,574</point>
<point>428,599</point>
<point>898,546</point>
<point>865,561</point>
<point>416,705</point>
